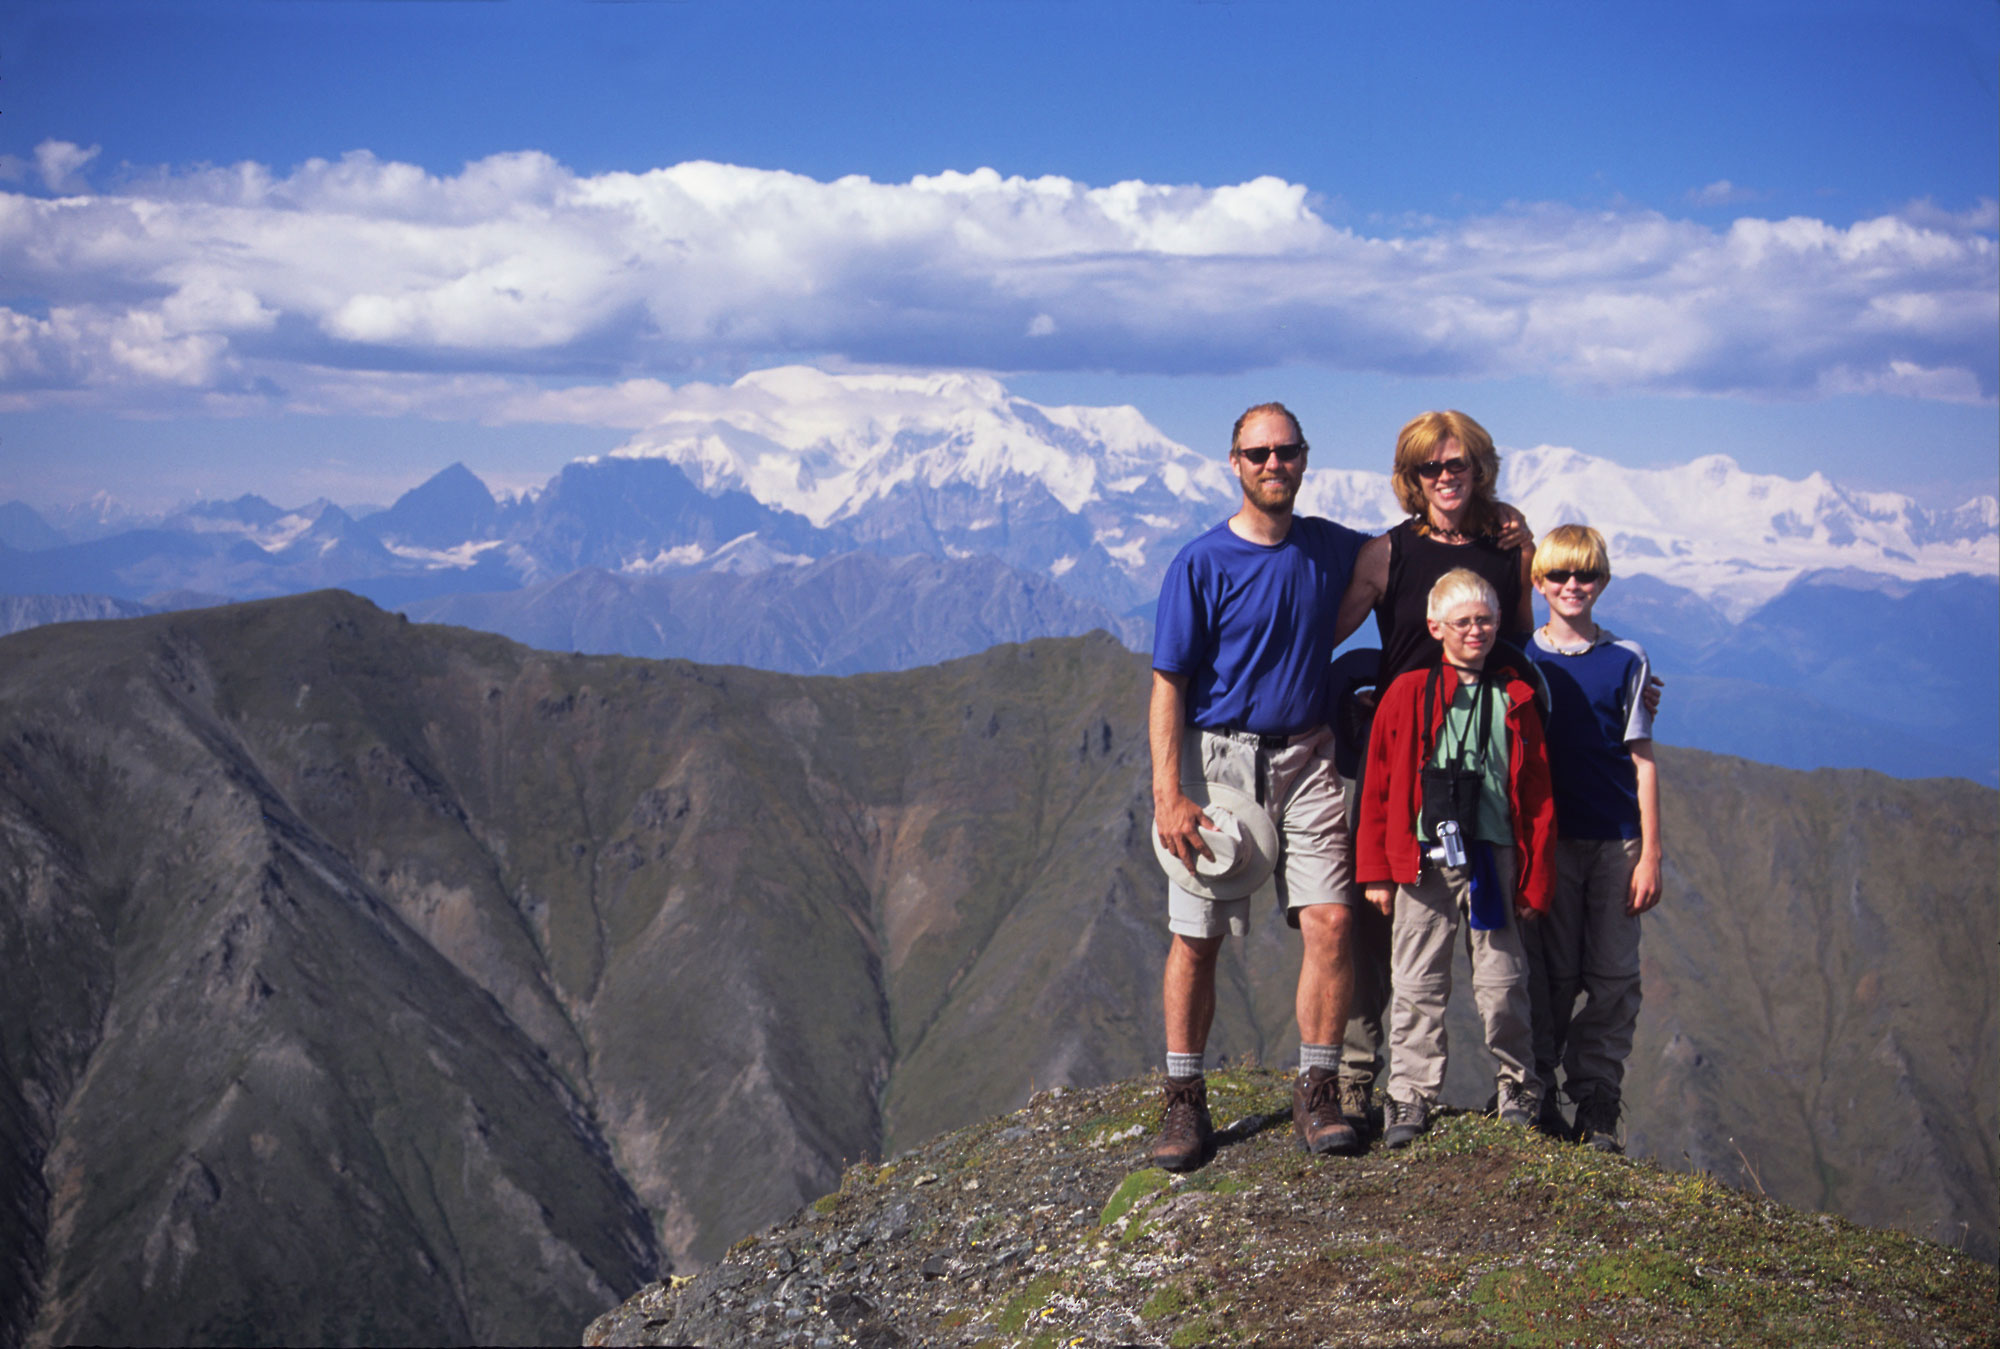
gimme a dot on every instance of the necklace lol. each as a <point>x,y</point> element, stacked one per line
<point>1573,648</point>
<point>1443,535</point>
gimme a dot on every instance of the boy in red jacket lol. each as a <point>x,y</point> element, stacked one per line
<point>1457,825</point>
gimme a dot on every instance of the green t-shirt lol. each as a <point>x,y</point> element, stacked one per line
<point>1454,746</point>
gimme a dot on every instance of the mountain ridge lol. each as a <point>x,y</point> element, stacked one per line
<point>603,912</point>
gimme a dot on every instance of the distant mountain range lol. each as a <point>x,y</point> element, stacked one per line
<point>369,981</point>
<point>749,530</point>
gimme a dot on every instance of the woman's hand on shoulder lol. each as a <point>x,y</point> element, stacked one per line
<point>1512,528</point>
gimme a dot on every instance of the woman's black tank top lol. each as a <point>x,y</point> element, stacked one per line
<point>1415,563</point>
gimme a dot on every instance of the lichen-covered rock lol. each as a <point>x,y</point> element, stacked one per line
<point>1047,1227</point>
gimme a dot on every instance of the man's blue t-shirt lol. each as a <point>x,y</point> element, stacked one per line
<point>1594,712</point>
<point>1252,625</point>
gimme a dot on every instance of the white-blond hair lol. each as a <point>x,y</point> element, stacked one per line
<point>1458,586</point>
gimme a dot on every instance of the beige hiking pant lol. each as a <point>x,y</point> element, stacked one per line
<point>1428,917</point>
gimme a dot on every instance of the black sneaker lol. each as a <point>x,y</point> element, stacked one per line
<point>1551,1121</point>
<point>1597,1122</point>
<point>1520,1103</point>
<point>1404,1121</point>
<point>1187,1136</point>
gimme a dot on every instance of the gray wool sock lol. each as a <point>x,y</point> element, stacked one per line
<point>1319,1056</point>
<point>1183,1065</point>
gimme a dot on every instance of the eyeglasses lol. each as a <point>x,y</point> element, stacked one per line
<point>1481,622</point>
<point>1285,453</point>
<point>1434,467</point>
<point>1561,575</point>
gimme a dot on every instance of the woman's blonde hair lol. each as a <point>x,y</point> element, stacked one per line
<point>1572,548</point>
<point>1420,439</point>
<point>1458,586</point>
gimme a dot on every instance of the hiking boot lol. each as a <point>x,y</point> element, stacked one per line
<point>1403,1121</point>
<point>1316,1114</point>
<point>1551,1121</point>
<point>1187,1136</point>
<point>1520,1103</point>
<point>1357,1104</point>
<point>1597,1122</point>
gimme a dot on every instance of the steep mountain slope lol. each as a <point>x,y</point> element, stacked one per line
<point>21,612</point>
<point>340,953</point>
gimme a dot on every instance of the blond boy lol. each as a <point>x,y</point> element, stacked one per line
<point>1600,746</point>
<point>1457,831</point>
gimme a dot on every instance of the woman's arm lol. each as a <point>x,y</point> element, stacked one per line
<point>1364,587</point>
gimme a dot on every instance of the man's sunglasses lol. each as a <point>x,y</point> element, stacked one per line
<point>1561,575</point>
<point>1285,453</point>
<point>1433,467</point>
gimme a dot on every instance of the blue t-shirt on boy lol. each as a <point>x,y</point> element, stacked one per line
<point>1595,711</point>
<point>1251,625</point>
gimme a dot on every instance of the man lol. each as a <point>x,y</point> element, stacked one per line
<point>1245,630</point>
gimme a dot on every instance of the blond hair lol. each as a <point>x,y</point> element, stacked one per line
<point>1459,586</point>
<point>1420,439</point>
<point>1572,548</point>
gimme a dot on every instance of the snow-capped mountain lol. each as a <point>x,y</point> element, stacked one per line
<point>794,489</point>
<point>1100,499</point>
<point>951,465</point>
<point>793,465</point>
<point>828,446</point>
<point>1740,538</point>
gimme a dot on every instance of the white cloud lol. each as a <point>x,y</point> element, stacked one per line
<point>61,163</point>
<point>1722,192</point>
<point>361,282</point>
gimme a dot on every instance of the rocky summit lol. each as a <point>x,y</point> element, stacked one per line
<point>1047,1227</point>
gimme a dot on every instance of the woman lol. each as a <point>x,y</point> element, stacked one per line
<point>1445,474</point>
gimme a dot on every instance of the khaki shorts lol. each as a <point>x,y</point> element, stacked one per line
<point>1302,792</point>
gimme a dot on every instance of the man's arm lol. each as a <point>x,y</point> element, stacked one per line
<point>1645,889</point>
<point>1178,820</point>
<point>1364,587</point>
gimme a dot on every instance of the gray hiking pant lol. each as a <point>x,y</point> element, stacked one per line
<point>1586,944</point>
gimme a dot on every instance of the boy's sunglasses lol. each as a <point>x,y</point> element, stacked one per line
<point>1561,575</point>
<point>1285,453</point>
<point>1431,468</point>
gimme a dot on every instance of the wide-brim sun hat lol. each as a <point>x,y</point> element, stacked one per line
<point>1244,841</point>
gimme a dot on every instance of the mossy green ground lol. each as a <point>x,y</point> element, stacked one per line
<point>1048,1227</point>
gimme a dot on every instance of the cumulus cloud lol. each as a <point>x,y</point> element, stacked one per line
<point>61,164</point>
<point>368,282</point>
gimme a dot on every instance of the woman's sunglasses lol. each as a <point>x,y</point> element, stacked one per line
<point>1432,468</point>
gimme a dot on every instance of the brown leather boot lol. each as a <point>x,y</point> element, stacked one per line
<point>1357,1104</point>
<point>1316,1116</point>
<point>1187,1137</point>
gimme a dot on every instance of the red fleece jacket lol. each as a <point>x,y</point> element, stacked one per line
<point>1386,847</point>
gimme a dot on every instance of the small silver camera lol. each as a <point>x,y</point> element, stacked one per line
<point>1451,846</point>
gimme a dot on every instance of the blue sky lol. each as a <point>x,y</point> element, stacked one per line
<point>299,247</point>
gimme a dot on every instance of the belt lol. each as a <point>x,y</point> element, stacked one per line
<point>1264,745</point>
<point>1257,738</point>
